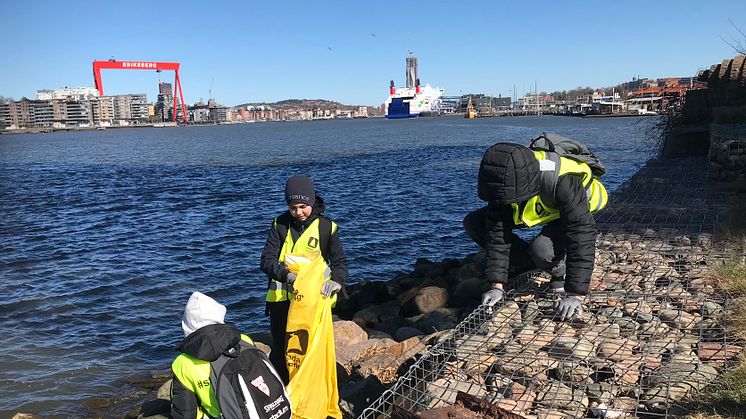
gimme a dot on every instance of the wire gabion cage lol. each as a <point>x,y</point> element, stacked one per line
<point>653,334</point>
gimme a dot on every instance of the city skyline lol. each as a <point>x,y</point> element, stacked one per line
<point>349,52</point>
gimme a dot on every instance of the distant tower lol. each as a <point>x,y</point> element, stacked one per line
<point>411,70</point>
<point>164,88</point>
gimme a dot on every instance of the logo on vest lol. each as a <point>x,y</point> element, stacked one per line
<point>259,383</point>
<point>313,242</point>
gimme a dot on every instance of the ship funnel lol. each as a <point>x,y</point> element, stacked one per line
<point>392,89</point>
<point>417,86</point>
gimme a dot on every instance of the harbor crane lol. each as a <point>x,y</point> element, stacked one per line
<point>112,64</point>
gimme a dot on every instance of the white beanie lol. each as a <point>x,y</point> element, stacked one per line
<point>201,311</point>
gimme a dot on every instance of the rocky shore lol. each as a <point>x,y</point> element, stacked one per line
<point>652,335</point>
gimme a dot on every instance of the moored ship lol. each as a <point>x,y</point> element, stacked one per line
<point>413,100</point>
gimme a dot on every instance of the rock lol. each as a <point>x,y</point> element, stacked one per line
<point>97,403</point>
<point>155,409</point>
<point>530,364</point>
<point>523,396</point>
<point>378,334</point>
<point>602,392</point>
<point>469,288</point>
<point>430,298</point>
<point>404,333</point>
<point>565,347</point>
<point>407,348</point>
<point>509,314</point>
<point>615,349</point>
<point>603,331</point>
<point>21,415</point>
<point>371,315</point>
<point>437,320</point>
<point>480,363</point>
<point>679,319</point>
<point>711,309</point>
<point>348,333</point>
<point>358,396</point>
<point>714,351</point>
<point>574,372</point>
<point>165,391</point>
<point>383,366</point>
<point>448,412</point>
<point>444,391</point>
<point>347,355</point>
<point>561,397</point>
<point>627,326</point>
<point>551,414</point>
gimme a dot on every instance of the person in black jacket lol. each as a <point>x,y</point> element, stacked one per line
<point>302,227</point>
<point>509,176</point>
<point>206,337</point>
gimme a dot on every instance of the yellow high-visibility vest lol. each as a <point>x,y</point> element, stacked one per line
<point>537,211</point>
<point>308,242</point>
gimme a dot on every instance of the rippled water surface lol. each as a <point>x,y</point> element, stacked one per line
<point>104,234</point>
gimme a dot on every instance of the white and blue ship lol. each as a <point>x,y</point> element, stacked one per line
<point>414,100</point>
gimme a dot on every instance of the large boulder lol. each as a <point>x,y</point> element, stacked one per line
<point>355,398</point>
<point>348,333</point>
<point>431,298</point>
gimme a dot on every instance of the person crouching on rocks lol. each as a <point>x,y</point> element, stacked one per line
<point>510,181</point>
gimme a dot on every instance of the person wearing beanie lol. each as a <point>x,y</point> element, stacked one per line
<point>512,180</point>
<point>206,337</point>
<point>303,224</point>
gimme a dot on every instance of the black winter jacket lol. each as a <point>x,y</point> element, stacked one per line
<point>509,173</point>
<point>335,256</point>
<point>206,343</point>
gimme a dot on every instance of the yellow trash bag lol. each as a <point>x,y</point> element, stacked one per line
<point>309,335</point>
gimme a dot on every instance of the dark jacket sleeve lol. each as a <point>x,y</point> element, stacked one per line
<point>337,259</point>
<point>579,230</point>
<point>499,225</point>
<point>184,403</point>
<point>270,254</point>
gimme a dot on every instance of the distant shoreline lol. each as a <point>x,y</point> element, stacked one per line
<point>158,125</point>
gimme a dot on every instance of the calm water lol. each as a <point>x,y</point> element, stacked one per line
<point>104,234</point>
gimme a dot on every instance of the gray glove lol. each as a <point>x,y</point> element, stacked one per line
<point>329,287</point>
<point>568,307</point>
<point>292,276</point>
<point>491,297</point>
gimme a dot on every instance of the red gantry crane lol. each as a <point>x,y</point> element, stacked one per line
<point>142,65</point>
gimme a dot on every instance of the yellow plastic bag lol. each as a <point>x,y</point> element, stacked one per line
<point>309,336</point>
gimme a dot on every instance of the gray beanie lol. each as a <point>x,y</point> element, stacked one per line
<point>299,189</point>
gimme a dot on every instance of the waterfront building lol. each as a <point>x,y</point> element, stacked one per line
<point>4,115</point>
<point>74,93</point>
<point>102,110</point>
<point>77,113</point>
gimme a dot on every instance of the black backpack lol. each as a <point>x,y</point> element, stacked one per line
<point>565,147</point>
<point>247,386</point>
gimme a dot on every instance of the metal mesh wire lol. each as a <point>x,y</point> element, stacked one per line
<point>654,331</point>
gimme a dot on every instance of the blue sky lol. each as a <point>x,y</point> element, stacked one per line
<point>348,51</point>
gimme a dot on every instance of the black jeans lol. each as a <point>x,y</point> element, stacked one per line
<point>278,318</point>
<point>546,251</point>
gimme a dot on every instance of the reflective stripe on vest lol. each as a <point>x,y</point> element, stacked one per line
<point>194,374</point>
<point>537,211</point>
<point>308,242</point>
